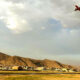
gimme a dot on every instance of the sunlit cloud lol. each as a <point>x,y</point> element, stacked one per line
<point>17,14</point>
<point>41,28</point>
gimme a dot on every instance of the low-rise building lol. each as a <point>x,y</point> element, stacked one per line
<point>39,68</point>
<point>30,68</point>
<point>17,68</point>
<point>64,70</point>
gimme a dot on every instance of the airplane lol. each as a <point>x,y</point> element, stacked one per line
<point>77,8</point>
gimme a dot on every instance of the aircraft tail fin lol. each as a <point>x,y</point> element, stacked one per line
<point>76,7</point>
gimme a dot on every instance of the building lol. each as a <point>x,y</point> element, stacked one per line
<point>39,68</point>
<point>25,67</point>
<point>30,68</point>
<point>17,68</point>
<point>64,70</point>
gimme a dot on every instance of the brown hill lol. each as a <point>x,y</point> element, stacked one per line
<point>7,60</point>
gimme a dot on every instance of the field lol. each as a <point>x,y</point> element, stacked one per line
<point>37,76</point>
<point>42,77</point>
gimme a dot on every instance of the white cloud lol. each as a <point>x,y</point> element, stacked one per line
<point>18,15</point>
<point>43,28</point>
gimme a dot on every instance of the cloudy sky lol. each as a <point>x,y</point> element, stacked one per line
<point>41,29</point>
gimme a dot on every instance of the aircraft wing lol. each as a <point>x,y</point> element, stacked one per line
<point>76,6</point>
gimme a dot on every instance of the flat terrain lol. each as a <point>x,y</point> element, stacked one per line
<point>42,77</point>
<point>34,72</point>
<point>38,76</point>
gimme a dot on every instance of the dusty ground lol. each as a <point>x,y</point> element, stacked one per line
<point>62,77</point>
<point>42,77</point>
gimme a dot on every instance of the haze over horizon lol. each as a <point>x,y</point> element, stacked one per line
<point>41,29</point>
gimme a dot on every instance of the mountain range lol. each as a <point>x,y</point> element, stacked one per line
<point>8,60</point>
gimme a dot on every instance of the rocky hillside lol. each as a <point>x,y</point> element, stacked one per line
<point>8,60</point>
